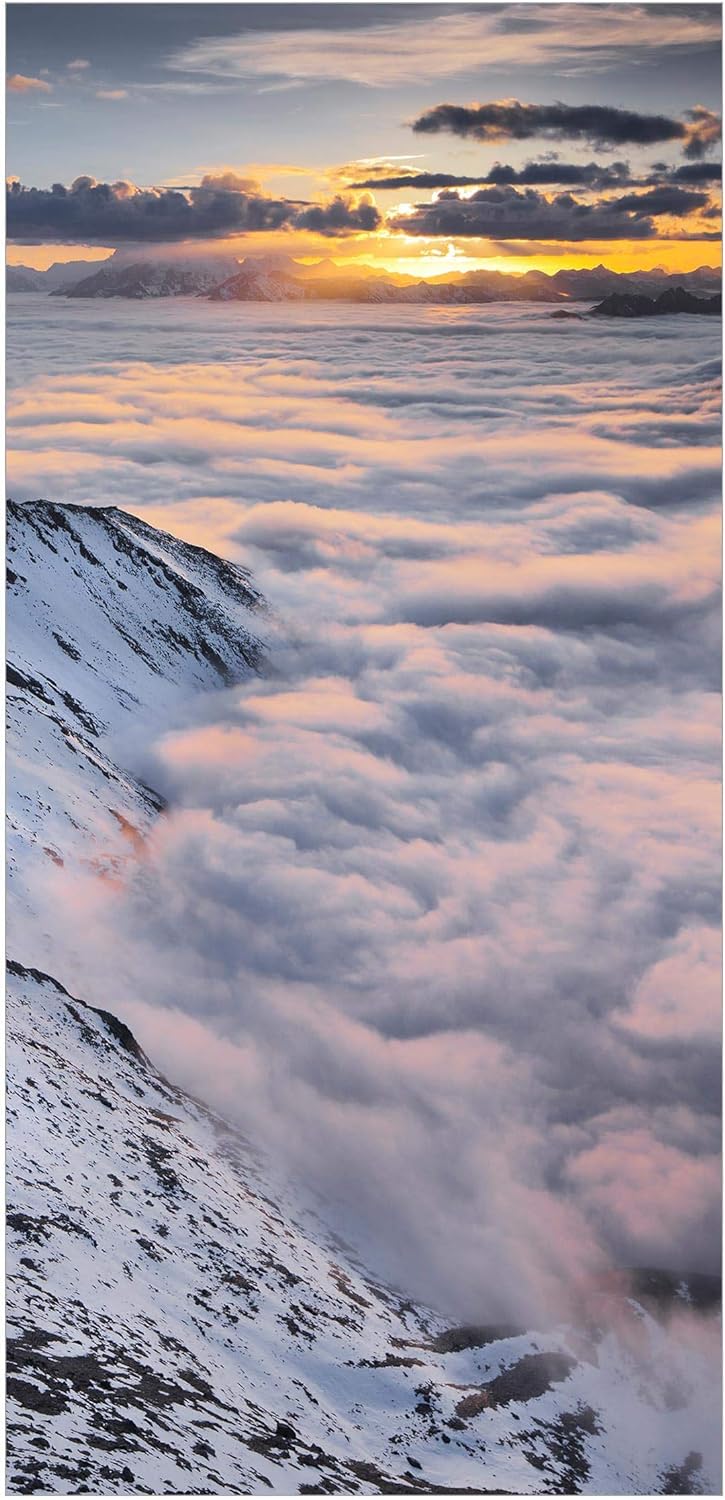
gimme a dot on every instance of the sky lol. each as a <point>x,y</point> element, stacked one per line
<point>581,134</point>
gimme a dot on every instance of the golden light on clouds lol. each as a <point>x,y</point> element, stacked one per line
<point>20,83</point>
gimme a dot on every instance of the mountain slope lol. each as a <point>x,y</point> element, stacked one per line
<point>23,279</point>
<point>274,280</point>
<point>59,274</point>
<point>152,277</point>
<point>281,278</point>
<point>674,300</point>
<point>179,1319</point>
<point>110,624</point>
<point>178,1324</point>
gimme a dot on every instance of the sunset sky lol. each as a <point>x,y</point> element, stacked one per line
<point>302,129</point>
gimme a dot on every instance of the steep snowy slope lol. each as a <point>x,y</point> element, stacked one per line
<point>179,1320</point>
<point>177,1324</point>
<point>122,276</point>
<point>109,625</point>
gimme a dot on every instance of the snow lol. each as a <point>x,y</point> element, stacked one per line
<point>171,1299</point>
<point>110,624</point>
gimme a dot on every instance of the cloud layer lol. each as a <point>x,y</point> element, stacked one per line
<point>435,908</point>
<point>90,212</point>
<point>507,213</point>
<point>551,172</point>
<point>364,50</point>
<point>534,173</point>
<point>598,124</point>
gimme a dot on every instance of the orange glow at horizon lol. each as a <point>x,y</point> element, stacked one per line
<point>428,259</point>
<point>622,255</point>
<point>39,257</point>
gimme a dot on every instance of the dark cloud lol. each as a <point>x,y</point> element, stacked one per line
<point>535,173</point>
<point>703,130</point>
<point>660,200</point>
<point>338,217</point>
<point>602,124</point>
<point>696,172</point>
<point>109,213</point>
<point>91,212</point>
<point>506,213</point>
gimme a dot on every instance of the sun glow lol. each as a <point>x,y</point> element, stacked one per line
<point>624,256</point>
<point>423,259</point>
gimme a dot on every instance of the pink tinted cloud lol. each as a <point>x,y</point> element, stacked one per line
<point>649,1187</point>
<point>21,83</point>
<point>430,891</point>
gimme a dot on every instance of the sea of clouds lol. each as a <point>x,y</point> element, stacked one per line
<point>434,911</point>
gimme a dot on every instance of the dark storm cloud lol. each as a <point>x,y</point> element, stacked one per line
<point>602,124</point>
<point>506,213</point>
<point>535,173</point>
<point>90,212</point>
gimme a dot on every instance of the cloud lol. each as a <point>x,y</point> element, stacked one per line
<point>112,93</point>
<point>565,594</point>
<point>534,173</point>
<point>680,1189</point>
<point>18,83</point>
<point>339,216</point>
<point>371,168</point>
<point>395,52</point>
<point>679,997</point>
<point>91,212</point>
<point>506,213</point>
<point>230,181</point>
<point>601,124</point>
<point>664,199</point>
<point>551,171</point>
<point>78,65</point>
<point>703,131</point>
<point>696,172</point>
<point>97,213</point>
<point>192,88</point>
<point>432,893</point>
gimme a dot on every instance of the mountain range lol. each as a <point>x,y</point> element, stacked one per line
<point>180,1318</point>
<point>60,274</point>
<point>280,278</point>
<point>674,300</point>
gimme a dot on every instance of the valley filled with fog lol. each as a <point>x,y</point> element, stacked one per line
<point>433,907</point>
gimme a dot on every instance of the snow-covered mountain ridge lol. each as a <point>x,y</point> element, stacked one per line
<point>280,278</point>
<point>179,1320</point>
<point>152,278</point>
<point>109,625</point>
<point>176,1325</point>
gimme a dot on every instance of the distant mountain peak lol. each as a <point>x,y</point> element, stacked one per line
<point>138,273</point>
<point>673,300</point>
